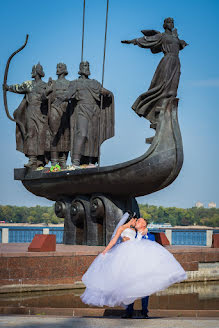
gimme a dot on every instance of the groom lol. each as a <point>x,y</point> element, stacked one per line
<point>142,233</point>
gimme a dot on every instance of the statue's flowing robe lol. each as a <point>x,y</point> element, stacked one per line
<point>59,117</point>
<point>31,118</point>
<point>166,78</point>
<point>100,123</point>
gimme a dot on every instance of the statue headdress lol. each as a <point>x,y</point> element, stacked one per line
<point>39,69</point>
<point>167,20</point>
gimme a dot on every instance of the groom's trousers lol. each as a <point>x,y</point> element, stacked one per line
<point>144,303</point>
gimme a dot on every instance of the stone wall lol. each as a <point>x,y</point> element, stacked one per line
<point>65,267</point>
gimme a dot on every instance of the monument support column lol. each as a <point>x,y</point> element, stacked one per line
<point>91,220</point>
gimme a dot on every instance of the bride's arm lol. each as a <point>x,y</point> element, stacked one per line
<point>117,235</point>
<point>125,239</point>
<point>114,240</point>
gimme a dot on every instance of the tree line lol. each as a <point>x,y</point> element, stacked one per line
<point>23,214</point>
<point>181,216</point>
<point>173,215</point>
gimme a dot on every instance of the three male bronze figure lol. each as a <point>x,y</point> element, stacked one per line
<point>62,116</point>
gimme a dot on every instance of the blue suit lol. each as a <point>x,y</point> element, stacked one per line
<point>150,236</point>
<point>144,300</point>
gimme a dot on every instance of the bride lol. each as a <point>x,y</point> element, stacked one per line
<point>134,268</point>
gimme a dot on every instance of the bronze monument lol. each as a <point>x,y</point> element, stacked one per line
<point>78,116</point>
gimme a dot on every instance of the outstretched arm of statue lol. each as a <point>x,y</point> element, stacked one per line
<point>183,44</point>
<point>117,235</point>
<point>151,40</point>
<point>133,41</point>
<point>18,88</point>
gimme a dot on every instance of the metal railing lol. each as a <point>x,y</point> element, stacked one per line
<point>189,237</point>
<point>192,237</point>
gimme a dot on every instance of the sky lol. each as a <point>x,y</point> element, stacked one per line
<point>55,33</point>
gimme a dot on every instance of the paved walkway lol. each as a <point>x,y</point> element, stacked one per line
<point>67,322</point>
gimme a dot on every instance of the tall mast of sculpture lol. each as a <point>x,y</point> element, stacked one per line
<point>104,51</point>
<point>103,70</point>
<point>82,46</point>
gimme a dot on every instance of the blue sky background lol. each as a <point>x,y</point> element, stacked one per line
<point>55,35</point>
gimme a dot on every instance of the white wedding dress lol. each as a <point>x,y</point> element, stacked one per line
<point>130,270</point>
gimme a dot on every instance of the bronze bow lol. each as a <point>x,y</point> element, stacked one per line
<point>6,76</point>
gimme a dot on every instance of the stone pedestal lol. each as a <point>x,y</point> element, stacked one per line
<point>43,243</point>
<point>215,240</point>
<point>91,220</point>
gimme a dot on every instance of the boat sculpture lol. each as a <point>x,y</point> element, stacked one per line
<point>96,197</point>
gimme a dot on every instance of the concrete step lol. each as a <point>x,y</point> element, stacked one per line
<point>103,312</point>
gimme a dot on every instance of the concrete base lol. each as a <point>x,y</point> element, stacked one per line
<point>22,269</point>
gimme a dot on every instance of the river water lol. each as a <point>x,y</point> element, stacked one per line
<point>183,296</point>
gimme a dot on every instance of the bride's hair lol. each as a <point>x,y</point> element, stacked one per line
<point>132,215</point>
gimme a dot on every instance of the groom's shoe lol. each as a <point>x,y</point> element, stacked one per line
<point>127,316</point>
<point>144,315</point>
